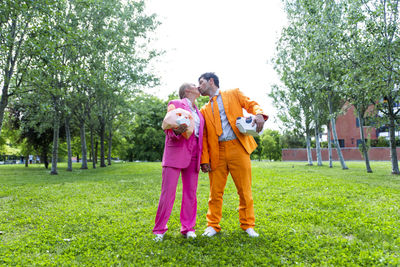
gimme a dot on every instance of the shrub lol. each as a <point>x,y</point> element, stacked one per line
<point>381,142</point>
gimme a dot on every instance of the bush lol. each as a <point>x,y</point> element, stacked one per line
<point>380,142</point>
<point>291,140</point>
<point>324,144</point>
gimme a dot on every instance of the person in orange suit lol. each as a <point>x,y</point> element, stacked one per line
<point>226,150</point>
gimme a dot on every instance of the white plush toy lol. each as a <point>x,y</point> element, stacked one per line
<point>244,125</point>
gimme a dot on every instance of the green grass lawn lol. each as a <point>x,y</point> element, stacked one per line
<point>305,215</point>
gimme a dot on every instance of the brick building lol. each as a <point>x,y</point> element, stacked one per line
<point>348,128</point>
<point>348,131</point>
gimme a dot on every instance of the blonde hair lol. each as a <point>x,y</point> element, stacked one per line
<point>182,90</point>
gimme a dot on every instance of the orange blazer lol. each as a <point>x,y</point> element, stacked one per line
<point>234,101</point>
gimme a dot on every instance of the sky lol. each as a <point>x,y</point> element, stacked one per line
<point>236,39</point>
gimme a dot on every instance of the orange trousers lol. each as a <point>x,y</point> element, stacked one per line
<point>233,159</point>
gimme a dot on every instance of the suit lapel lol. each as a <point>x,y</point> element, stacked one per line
<point>209,113</point>
<point>186,105</point>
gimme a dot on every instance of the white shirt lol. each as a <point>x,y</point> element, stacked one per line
<point>196,118</point>
<point>227,132</point>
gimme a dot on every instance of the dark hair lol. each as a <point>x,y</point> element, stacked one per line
<point>208,75</point>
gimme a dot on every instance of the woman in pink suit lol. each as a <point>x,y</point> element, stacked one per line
<point>181,156</point>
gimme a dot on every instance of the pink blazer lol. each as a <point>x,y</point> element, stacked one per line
<point>178,149</point>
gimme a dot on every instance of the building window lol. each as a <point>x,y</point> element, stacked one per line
<point>341,142</point>
<point>359,142</point>
<point>357,123</point>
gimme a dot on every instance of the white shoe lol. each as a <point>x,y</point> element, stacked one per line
<point>251,232</point>
<point>158,237</point>
<point>209,231</point>
<point>190,234</point>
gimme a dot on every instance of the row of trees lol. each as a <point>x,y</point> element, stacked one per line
<point>136,136</point>
<point>139,138</point>
<point>337,51</point>
<point>74,66</point>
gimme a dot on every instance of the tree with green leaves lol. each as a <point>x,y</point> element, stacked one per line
<point>34,132</point>
<point>144,136</point>
<point>270,143</point>
<point>19,25</point>
<point>120,63</point>
<point>359,71</point>
<point>325,20</point>
<point>312,44</point>
<point>382,20</point>
<point>293,100</point>
<point>89,54</point>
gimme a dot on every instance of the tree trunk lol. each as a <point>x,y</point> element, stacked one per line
<point>84,165</point>
<point>77,158</point>
<point>26,159</point>
<point>335,138</point>
<point>329,146</point>
<point>45,159</point>
<point>363,145</point>
<point>96,151</point>
<point>393,151</point>
<point>3,105</point>
<point>317,145</point>
<point>4,95</point>
<point>92,149</point>
<point>44,156</point>
<point>318,148</point>
<point>102,150</point>
<point>8,70</point>
<point>309,155</point>
<point>110,146</point>
<point>55,144</point>
<point>336,142</point>
<point>68,135</point>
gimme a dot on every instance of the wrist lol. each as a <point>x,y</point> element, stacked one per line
<point>265,117</point>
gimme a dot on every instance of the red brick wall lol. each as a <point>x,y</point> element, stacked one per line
<point>347,130</point>
<point>349,153</point>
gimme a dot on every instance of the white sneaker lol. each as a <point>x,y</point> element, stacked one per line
<point>158,237</point>
<point>251,232</point>
<point>190,234</point>
<point>209,231</point>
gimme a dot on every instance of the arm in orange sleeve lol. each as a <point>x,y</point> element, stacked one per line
<point>249,105</point>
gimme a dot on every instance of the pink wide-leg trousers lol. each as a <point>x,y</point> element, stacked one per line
<point>170,177</point>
